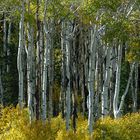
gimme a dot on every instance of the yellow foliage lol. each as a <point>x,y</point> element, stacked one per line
<point>125,128</point>
<point>14,125</point>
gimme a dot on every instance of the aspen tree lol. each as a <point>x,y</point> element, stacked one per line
<point>38,64</point>
<point>51,66</point>
<point>91,77</point>
<point>117,84</point>
<point>63,69</point>
<point>126,89</point>
<point>45,66</point>
<point>20,55</point>
<point>30,72</point>
<point>106,84</point>
<point>68,86</point>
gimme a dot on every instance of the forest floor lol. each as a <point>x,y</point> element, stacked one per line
<point>14,125</point>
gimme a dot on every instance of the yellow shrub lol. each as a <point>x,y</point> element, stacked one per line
<point>125,128</point>
<point>14,125</point>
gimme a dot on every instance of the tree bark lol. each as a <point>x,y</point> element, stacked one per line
<point>68,86</point>
<point>45,67</point>
<point>1,88</point>
<point>117,85</point>
<point>30,73</point>
<point>91,78</point>
<point>63,69</point>
<point>38,64</point>
<point>136,88</point>
<point>51,68</point>
<point>126,90</point>
<point>106,84</point>
<point>8,48</point>
<point>20,56</point>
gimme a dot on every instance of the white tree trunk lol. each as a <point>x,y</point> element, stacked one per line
<point>126,90</point>
<point>112,81</point>
<point>51,69</point>
<point>91,78</point>
<point>45,68</point>
<point>106,84</point>
<point>68,89</point>
<point>63,70</point>
<point>44,86</point>
<point>117,85</point>
<point>117,108</point>
<point>20,55</point>
<point>30,72</point>
<point>38,62</point>
<point>98,80</point>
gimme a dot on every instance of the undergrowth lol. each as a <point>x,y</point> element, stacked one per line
<point>14,125</point>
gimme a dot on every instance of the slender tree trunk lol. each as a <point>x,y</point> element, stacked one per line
<point>74,106</point>
<point>74,79</point>
<point>112,80</point>
<point>20,56</point>
<point>63,70</point>
<point>4,42</point>
<point>1,88</point>
<point>41,52</point>
<point>8,41</point>
<point>117,108</point>
<point>135,88</point>
<point>83,91</point>
<point>91,78</point>
<point>44,86</point>
<point>45,68</point>
<point>106,84</point>
<point>38,64</point>
<point>30,73</point>
<point>98,83</point>
<point>117,85</point>
<point>83,77</point>
<point>51,69</point>
<point>133,93</point>
<point>68,87</point>
<point>4,56</point>
<point>126,90</point>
